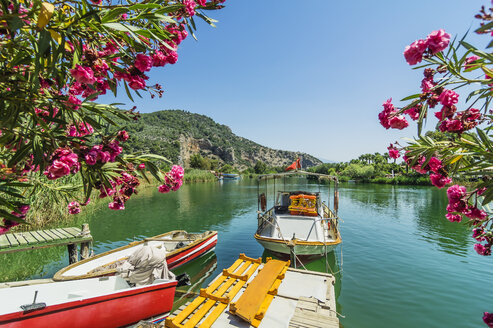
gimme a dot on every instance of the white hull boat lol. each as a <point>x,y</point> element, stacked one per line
<point>299,224</point>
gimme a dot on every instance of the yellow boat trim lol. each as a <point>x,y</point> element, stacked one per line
<point>299,242</point>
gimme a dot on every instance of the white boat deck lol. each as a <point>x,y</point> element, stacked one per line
<point>304,299</point>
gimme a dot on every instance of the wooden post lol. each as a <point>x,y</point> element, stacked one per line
<point>72,253</point>
<point>84,247</point>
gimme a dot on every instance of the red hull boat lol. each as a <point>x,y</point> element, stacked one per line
<point>97,302</point>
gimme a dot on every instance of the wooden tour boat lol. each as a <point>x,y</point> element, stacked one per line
<point>97,302</point>
<point>181,247</point>
<point>299,224</point>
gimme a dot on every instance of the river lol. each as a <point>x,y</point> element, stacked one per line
<point>401,263</point>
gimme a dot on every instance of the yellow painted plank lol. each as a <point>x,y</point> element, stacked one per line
<point>197,316</point>
<point>212,317</point>
<point>251,301</point>
<point>209,297</point>
<point>196,302</point>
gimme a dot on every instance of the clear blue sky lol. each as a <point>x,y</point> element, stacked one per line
<point>308,75</point>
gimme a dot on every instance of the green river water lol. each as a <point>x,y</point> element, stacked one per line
<point>401,263</point>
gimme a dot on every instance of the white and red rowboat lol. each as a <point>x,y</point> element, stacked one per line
<point>181,247</point>
<point>97,302</point>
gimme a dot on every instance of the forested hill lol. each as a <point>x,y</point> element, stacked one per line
<point>178,135</point>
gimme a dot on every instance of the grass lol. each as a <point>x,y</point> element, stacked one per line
<point>196,175</point>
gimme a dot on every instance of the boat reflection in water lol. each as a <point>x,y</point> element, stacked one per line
<point>198,270</point>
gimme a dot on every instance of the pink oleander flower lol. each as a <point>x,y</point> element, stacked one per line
<point>439,180</point>
<point>427,85</point>
<point>114,150</point>
<point>451,126</point>
<point>96,2</point>
<point>74,207</point>
<point>398,122</point>
<point>477,233</point>
<point>172,57</point>
<point>475,213</point>
<point>435,164</point>
<point>190,7</point>
<point>413,112</point>
<point>414,52</point>
<point>448,98</point>
<point>141,166</point>
<point>446,112</point>
<point>136,82</point>
<point>159,59</point>
<point>418,167</point>
<point>483,249</point>
<point>164,188</point>
<point>393,152</point>
<point>7,225</point>
<point>459,207</point>
<point>56,170</point>
<point>73,102</point>
<point>124,16</point>
<point>83,74</point>
<point>201,2</point>
<point>117,204</point>
<point>177,172</point>
<point>143,62</point>
<point>453,217</point>
<point>437,41</point>
<point>123,135</point>
<point>488,319</point>
<point>177,185</point>
<point>469,62</point>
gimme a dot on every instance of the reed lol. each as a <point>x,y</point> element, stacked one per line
<point>196,175</point>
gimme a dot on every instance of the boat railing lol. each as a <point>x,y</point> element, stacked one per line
<point>263,219</point>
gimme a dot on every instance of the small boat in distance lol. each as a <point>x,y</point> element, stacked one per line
<point>97,302</point>
<point>229,176</point>
<point>299,224</point>
<point>181,247</point>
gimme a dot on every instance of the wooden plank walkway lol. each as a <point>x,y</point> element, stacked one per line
<point>21,241</point>
<point>303,299</point>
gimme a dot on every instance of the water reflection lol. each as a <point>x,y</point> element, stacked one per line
<point>199,271</point>
<point>418,207</point>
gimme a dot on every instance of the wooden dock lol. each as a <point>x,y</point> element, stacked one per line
<point>292,298</point>
<point>28,240</point>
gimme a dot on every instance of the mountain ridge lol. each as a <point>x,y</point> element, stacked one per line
<point>178,135</point>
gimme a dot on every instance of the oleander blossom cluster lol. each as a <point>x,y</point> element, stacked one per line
<point>393,152</point>
<point>434,167</point>
<point>20,212</point>
<point>433,44</point>
<point>459,206</point>
<point>173,180</point>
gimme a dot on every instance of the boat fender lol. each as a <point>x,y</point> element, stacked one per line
<point>328,224</point>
